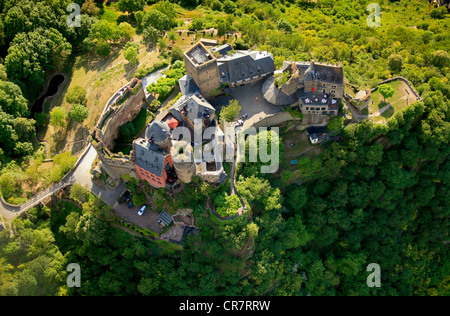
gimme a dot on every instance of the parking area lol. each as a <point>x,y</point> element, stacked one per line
<point>147,220</point>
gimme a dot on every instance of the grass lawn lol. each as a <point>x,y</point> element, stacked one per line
<point>295,142</point>
<point>101,77</point>
<point>398,101</point>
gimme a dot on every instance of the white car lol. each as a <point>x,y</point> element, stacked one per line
<point>239,122</point>
<point>141,211</point>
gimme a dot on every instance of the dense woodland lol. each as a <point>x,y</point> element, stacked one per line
<point>381,195</point>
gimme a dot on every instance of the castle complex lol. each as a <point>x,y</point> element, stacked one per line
<point>165,155</point>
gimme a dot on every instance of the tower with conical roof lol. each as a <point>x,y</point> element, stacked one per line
<point>183,160</point>
<point>158,132</point>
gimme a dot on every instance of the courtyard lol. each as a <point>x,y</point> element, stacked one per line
<point>252,101</point>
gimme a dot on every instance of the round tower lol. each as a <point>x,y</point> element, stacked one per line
<point>183,160</point>
<point>159,133</point>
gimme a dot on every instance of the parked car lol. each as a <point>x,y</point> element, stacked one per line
<point>131,204</point>
<point>142,209</point>
<point>126,196</point>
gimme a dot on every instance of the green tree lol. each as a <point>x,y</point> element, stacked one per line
<point>386,91</point>
<point>150,34</point>
<point>130,6</point>
<point>229,112</point>
<point>89,7</point>
<point>131,53</point>
<point>155,18</point>
<point>395,62</point>
<point>177,54</point>
<point>30,54</point>
<point>227,205</point>
<point>76,94</point>
<point>282,24</point>
<point>440,58</point>
<point>90,229</point>
<point>229,7</point>
<point>127,31</point>
<point>25,128</point>
<point>79,113</point>
<point>58,117</point>
<point>12,100</point>
<point>196,25</point>
<point>335,123</point>
<point>172,36</point>
<point>162,44</point>
<point>103,48</point>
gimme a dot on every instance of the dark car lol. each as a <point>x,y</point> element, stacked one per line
<point>130,205</point>
<point>125,197</point>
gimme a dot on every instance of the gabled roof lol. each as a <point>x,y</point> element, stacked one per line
<point>310,71</point>
<point>328,73</point>
<point>194,107</point>
<point>244,64</point>
<point>165,218</point>
<point>149,156</point>
<point>223,50</point>
<point>188,85</point>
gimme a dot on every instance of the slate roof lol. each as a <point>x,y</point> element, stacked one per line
<point>223,50</point>
<point>329,73</point>
<point>157,130</point>
<point>244,64</point>
<point>195,107</point>
<point>317,71</point>
<point>188,85</point>
<point>273,95</point>
<point>165,218</point>
<point>149,156</point>
<point>314,98</point>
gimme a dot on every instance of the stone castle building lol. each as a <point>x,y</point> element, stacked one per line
<point>201,66</point>
<point>314,87</point>
<point>164,156</point>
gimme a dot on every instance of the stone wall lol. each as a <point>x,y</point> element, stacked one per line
<point>206,75</point>
<point>274,119</point>
<point>123,114</point>
<point>406,81</point>
<point>107,130</point>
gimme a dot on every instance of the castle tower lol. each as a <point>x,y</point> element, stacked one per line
<point>159,133</point>
<point>201,66</point>
<point>183,160</point>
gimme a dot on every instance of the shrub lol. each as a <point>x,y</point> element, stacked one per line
<point>79,113</point>
<point>77,95</point>
<point>229,112</point>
